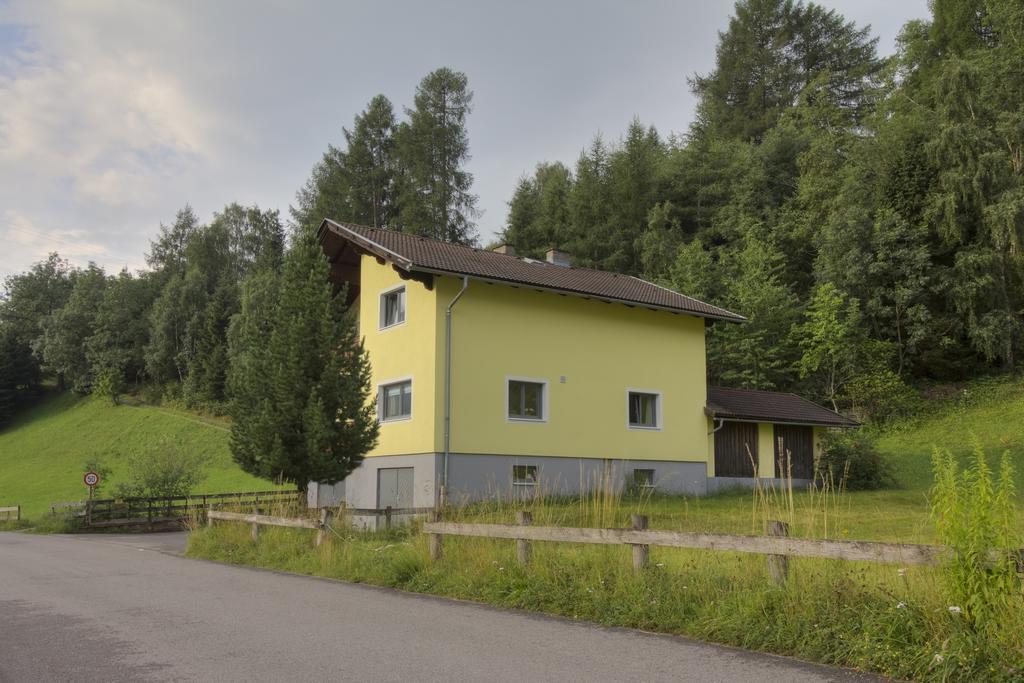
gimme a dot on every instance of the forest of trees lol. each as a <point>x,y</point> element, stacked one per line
<point>864,213</point>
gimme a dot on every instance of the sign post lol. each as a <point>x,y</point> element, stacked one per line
<point>91,479</point>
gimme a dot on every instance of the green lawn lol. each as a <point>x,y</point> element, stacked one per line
<point>43,452</point>
<point>991,411</point>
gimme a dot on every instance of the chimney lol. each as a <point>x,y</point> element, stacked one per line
<point>559,258</point>
<point>506,249</point>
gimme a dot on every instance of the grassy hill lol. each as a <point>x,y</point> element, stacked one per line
<point>43,452</point>
<point>989,411</point>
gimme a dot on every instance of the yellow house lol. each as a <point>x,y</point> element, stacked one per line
<point>499,375</point>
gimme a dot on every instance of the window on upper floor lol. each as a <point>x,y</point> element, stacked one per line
<point>392,307</point>
<point>644,410</point>
<point>527,399</point>
<point>394,401</point>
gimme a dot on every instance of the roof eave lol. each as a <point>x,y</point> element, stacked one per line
<point>840,422</point>
<point>375,248</point>
<point>570,292</point>
<point>406,264</point>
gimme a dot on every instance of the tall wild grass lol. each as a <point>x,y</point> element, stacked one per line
<point>960,621</point>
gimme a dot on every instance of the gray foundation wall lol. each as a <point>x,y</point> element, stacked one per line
<point>472,477</point>
<point>475,477</point>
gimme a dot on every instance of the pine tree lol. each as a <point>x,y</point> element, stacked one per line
<point>370,165</point>
<point>761,353</point>
<point>299,376</point>
<point>538,217</point>
<point>433,146</point>
<point>772,50</point>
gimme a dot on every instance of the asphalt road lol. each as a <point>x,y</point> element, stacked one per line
<point>127,608</point>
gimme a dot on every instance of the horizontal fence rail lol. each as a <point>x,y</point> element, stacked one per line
<point>897,553</point>
<point>115,512</point>
<point>386,512</point>
<point>322,525</point>
<point>6,513</point>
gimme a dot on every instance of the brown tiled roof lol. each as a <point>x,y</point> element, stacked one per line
<point>771,406</point>
<point>415,253</point>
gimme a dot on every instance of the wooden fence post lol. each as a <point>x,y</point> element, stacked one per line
<point>523,518</point>
<point>387,518</point>
<point>326,517</point>
<point>434,540</point>
<point>254,531</point>
<point>641,553</point>
<point>778,565</point>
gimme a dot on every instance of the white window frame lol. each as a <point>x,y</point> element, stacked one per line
<point>380,307</point>
<point>658,410</point>
<point>543,399</point>
<point>536,478</point>
<point>380,400</point>
<point>654,474</point>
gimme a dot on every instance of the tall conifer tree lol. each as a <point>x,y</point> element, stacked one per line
<point>434,196</point>
<point>300,376</point>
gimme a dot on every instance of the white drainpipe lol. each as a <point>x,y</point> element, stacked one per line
<point>448,384</point>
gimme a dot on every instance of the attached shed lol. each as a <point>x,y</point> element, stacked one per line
<point>765,434</point>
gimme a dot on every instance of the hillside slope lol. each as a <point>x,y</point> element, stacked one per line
<point>990,411</point>
<point>43,452</point>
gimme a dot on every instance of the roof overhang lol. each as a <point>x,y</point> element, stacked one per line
<point>399,261</point>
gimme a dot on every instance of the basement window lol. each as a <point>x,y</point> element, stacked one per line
<point>392,307</point>
<point>527,399</point>
<point>644,410</point>
<point>643,479</point>
<point>394,401</point>
<point>524,475</point>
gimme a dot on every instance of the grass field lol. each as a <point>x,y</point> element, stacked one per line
<point>992,411</point>
<point>43,452</point>
<point>901,622</point>
<point>876,617</point>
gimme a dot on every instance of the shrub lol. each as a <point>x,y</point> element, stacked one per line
<point>109,384</point>
<point>852,459</point>
<point>975,516</point>
<point>881,396</point>
<point>163,470</point>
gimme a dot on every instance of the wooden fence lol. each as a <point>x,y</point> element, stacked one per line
<point>149,512</point>
<point>388,513</point>
<point>777,545</point>
<point>322,525</point>
<point>6,512</point>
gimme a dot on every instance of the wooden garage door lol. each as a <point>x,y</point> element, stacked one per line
<point>798,442</point>
<point>731,444</point>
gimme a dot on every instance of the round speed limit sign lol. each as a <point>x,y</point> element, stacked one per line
<point>91,479</point>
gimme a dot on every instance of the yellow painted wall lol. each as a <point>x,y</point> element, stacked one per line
<point>601,349</point>
<point>402,351</point>
<point>765,449</point>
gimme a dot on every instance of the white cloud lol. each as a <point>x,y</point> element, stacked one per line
<point>114,114</point>
<point>25,241</point>
<point>107,120</point>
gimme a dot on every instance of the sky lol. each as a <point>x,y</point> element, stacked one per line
<point>114,115</point>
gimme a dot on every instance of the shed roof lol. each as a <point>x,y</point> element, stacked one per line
<point>771,406</point>
<point>413,253</point>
